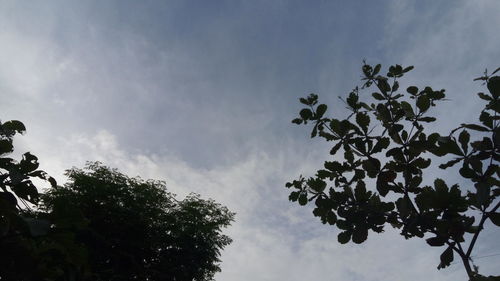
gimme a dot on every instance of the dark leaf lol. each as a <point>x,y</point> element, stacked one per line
<point>344,237</point>
<point>464,138</point>
<point>407,109</point>
<point>331,218</point>
<point>436,241</point>
<point>495,218</point>
<point>359,235</point>
<point>14,126</point>
<point>483,193</point>
<point>475,127</point>
<point>412,90</point>
<point>408,68</point>
<point>302,198</point>
<point>427,119</point>
<point>423,103</point>
<point>6,146</point>
<point>381,144</point>
<point>378,96</point>
<point>306,113</point>
<point>446,258</point>
<point>294,196</point>
<point>363,121</point>
<point>484,96</point>
<point>450,163</point>
<point>320,111</point>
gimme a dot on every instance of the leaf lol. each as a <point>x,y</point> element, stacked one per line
<point>494,86</point>
<point>14,126</point>
<point>8,199</point>
<point>320,111</point>
<point>26,190</point>
<point>306,113</point>
<point>450,163</point>
<point>495,218</point>
<point>483,193</point>
<point>29,163</point>
<point>412,90</point>
<point>383,113</point>
<point>363,121</point>
<point>352,100</point>
<point>446,258</point>
<point>302,198</point>
<point>404,206</point>
<point>464,138</point>
<point>381,144</point>
<point>484,96</point>
<point>376,70</point>
<point>360,234</point>
<point>314,131</point>
<point>344,237</point>
<point>371,166</point>
<point>436,241</point>
<point>427,119</point>
<point>360,191</point>
<point>449,145</point>
<point>476,127</point>
<point>331,218</point>
<point>335,148</point>
<point>423,103</point>
<point>6,146</point>
<point>294,195</point>
<point>408,68</point>
<point>317,184</point>
<point>378,96</point>
<point>486,119</point>
<point>407,109</point>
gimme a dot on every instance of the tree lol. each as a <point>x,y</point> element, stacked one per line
<point>30,248</point>
<point>136,230</point>
<point>377,177</point>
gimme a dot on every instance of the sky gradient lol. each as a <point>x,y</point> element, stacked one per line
<point>201,95</point>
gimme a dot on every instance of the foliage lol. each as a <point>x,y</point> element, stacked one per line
<point>31,249</point>
<point>136,229</point>
<point>392,159</point>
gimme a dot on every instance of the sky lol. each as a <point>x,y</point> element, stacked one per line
<point>201,94</point>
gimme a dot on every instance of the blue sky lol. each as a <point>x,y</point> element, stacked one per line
<point>201,94</point>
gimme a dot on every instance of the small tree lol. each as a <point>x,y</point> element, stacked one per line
<point>377,177</point>
<point>136,229</point>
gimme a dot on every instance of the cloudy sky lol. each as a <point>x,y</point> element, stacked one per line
<point>201,94</point>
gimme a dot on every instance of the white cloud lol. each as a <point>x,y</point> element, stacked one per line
<point>281,242</point>
<point>204,111</point>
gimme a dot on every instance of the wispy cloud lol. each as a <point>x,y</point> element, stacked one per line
<point>202,96</point>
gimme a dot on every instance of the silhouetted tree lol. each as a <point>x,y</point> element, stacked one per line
<point>379,176</point>
<point>136,230</point>
<point>29,248</point>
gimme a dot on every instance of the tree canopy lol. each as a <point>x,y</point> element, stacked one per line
<point>102,225</point>
<point>134,229</point>
<point>381,152</point>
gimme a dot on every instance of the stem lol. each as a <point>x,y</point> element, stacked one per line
<point>465,261</point>
<point>480,227</point>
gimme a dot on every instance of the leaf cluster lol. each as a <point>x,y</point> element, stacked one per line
<point>385,147</point>
<point>31,248</point>
<point>136,230</point>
